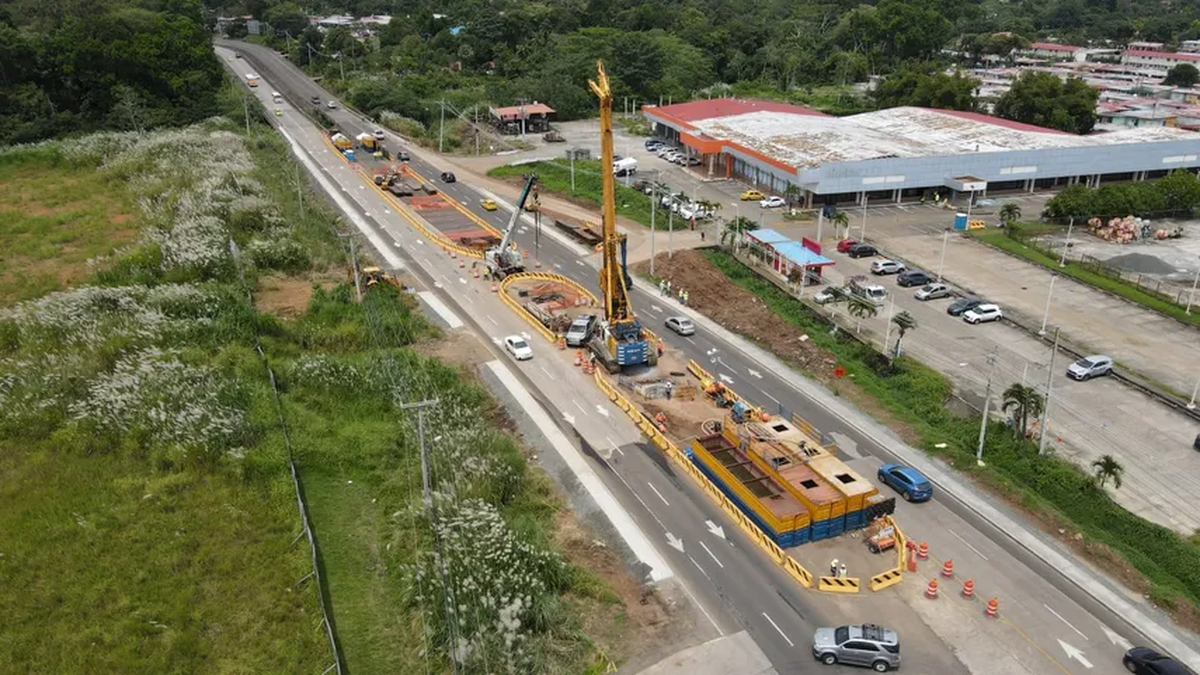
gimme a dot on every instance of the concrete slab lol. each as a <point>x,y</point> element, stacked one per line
<point>734,653</point>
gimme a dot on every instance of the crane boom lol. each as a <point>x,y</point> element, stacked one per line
<point>516,214</point>
<point>612,279</point>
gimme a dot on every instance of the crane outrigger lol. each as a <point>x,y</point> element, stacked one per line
<point>505,258</point>
<point>621,341</point>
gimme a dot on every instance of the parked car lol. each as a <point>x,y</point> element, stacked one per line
<point>553,137</point>
<point>752,195</point>
<point>681,325</point>
<point>1146,661</point>
<point>983,313</point>
<point>488,204</point>
<point>932,292</point>
<point>518,347</point>
<point>664,150</point>
<point>844,245</point>
<point>653,145</point>
<point>278,112</point>
<point>961,305</point>
<point>828,295</point>
<point>868,645</point>
<point>448,177</point>
<point>862,251</point>
<point>332,105</point>
<point>694,161</point>
<point>1089,367</point>
<point>886,266</point>
<point>581,330</point>
<point>909,278</point>
<point>910,483</point>
<point>772,202</point>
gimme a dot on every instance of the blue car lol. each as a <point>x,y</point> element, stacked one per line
<point>906,480</point>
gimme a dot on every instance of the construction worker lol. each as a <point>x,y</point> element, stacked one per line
<point>842,571</point>
<point>662,286</point>
<point>686,295</point>
<point>668,287</point>
<point>833,568</point>
<point>679,296</point>
<point>670,388</point>
<point>660,347</point>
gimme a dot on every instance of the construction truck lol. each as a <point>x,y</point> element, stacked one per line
<point>505,258</point>
<point>341,142</point>
<point>367,142</point>
<point>861,287</point>
<point>621,341</point>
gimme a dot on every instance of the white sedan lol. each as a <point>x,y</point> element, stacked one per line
<point>518,347</point>
<point>772,202</point>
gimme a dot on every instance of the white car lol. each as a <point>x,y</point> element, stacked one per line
<point>332,105</point>
<point>932,292</point>
<point>772,202</point>
<point>379,135</point>
<point>665,150</point>
<point>828,295</point>
<point>983,313</point>
<point>887,267</point>
<point>1089,367</point>
<point>518,347</point>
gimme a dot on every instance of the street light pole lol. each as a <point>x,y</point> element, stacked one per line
<point>887,333</point>
<point>987,400</point>
<point>942,261</point>
<point>863,236</point>
<point>1067,246</point>
<point>653,208</point>
<point>1192,295</point>
<point>1046,313</point>
<point>820,222</point>
<point>1195,390</point>
<point>1046,407</point>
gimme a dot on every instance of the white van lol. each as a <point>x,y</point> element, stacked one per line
<point>625,166</point>
<point>278,97</point>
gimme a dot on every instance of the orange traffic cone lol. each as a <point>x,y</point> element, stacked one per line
<point>931,589</point>
<point>993,607</point>
<point>578,357</point>
<point>948,568</point>
<point>969,588</point>
<point>562,342</point>
<point>912,562</point>
<point>923,551</point>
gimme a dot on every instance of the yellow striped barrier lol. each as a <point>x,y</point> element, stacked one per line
<point>884,579</point>
<point>837,584</point>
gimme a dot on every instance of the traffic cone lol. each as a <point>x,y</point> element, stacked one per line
<point>993,607</point>
<point>969,588</point>
<point>578,357</point>
<point>493,287</point>
<point>931,589</point>
<point>912,562</point>
<point>923,551</point>
<point>462,263</point>
<point>948,568</point>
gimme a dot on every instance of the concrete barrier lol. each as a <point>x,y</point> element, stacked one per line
<point>837,584</point>
<point>884,579</point>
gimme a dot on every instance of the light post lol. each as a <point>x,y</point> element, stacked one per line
<point>820,222</point>
<point>671,228</point>
<point>1067,246</point>
<point>1192,295</point>
<point>653,208</point>
<point>942,261</point>
<point>1195,390</point>
<point>863,236</point>
<point>887,333</point>
<point>970,203</point>
<point>1046,407</point>
<point>1046,313</point>
<point>987,400</point>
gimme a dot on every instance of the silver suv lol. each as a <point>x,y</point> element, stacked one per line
<point>866,645</point>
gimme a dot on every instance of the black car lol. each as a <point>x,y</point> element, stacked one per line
<point>862,251</point>
<point>316,100</point>
<point>403,156</point>
<point>961,305</point>
<point>1146,661</point>
<point>914,278</point>
<point>448,177</point>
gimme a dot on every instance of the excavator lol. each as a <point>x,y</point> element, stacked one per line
<point>505,258</point>
<point>621,341</point>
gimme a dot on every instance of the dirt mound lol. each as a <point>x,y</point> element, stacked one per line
<point>714,295</point>
<point>1141,263</point>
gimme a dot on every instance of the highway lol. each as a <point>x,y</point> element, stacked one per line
<point>734,585</point>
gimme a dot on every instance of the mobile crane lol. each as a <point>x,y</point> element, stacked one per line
<point>621,340</point>
<point>505,259</point>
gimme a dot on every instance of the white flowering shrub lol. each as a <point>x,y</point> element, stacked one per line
<point>33,398</point>
<point>496,585</point>
<point>278,254</point>
<point>325,374</point>
<point>154,394</point>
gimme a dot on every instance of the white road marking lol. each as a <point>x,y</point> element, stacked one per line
<point>710,554</point>
<point>581,263</point>
<point>1074,653</point>
<point>967,543</point>
<point>420,241</point>
<point>715,528</point>
<point>674,542</point>
<point>1059,617</point>
<point>1117,639</point>
<point>602,410</point>
<point>656,308</point>
<point>689,340</point>
<point>581,408</point>
<point>755,373</point>
<point>776,627</point>
<point>489,316</point>
<point>545,371</point>
<point>664,499</point>
<point>569,418</point>
<point>726,379</point>
<point>699,568</point>
<point>462,281</point>
<point>614,445</point>
<point>424,260</point>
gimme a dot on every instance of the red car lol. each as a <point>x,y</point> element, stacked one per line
<point>845,244</point>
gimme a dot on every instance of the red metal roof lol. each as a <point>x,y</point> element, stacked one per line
<point>514,111</point>
<point>1051,47</point>
<point>1177,56</point>
<point>723,107</point>
<point>997,121</point>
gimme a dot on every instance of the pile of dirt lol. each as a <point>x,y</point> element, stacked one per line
<point>1141,263</point>
<point>712,293</point>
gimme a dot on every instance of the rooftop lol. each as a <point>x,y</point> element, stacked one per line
<point>810,140</point>
<point>1051,47</point>
<point>1177,56</point>
<point>514,112</point>
<point>726,107</point>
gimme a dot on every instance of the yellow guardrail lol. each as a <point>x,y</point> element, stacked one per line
<point>593,301</point>
<point>777,554</point>
<point>837,584</point>
<point>502,291</point>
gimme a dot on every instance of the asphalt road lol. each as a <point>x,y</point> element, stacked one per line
<point>736,583</point>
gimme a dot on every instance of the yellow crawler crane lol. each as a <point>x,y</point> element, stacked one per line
<point>621,341</point>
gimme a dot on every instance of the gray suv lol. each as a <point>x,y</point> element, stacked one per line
<point>866,645</point>
<point>581,330</point>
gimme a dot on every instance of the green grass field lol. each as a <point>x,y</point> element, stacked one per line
<point>56,217</point>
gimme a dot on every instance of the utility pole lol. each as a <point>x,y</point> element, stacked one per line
<point>1062,262</point>
<point>671,229</point>
<point>863,236</point>
<point>477,130</point>
<point>537,234</point>
<point>431,505</point>
<point>942,261</point>
<point>653,208</point>
<point>820,222</point>
<point>354,268</point>
<point>572,171</point>
<point>299,191</point>
<point>1192,295</point>
<point>1046,407</point>
<point>246,110</point>
<point>987,400</point>
<point>441,123</point>
<point>1046,313</point>
<point>887,333</point>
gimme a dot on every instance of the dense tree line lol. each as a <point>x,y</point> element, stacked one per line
<point>1176,194</point>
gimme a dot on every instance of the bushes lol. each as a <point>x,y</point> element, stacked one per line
<point>917,395</point>
<point>1178,193</point>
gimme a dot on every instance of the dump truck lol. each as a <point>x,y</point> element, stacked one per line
<point>341,142</point>
<point>367,142</point>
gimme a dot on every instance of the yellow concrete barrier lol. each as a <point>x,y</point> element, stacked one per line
<point>884,579</point>
<point>837,584</point>
<point>516,307</point>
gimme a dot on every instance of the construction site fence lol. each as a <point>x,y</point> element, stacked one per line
<point>794,569</point>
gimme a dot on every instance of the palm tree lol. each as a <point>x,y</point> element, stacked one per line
<point>1108,468</point>
<point>736,227</point>
<point>862,308</point>
<point>1026,402</point>
<point>792,194</point>
<point>904,323</point>
<point>840,220</point>
<point>1009,214</point>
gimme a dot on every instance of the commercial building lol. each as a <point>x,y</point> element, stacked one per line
<point>906,153</point>
<point>1049,50</point>
<point>1157,63</point>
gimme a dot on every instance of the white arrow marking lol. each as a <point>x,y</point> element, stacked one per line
<point>462,280</point>
<point>569,418</point>
<point>755,373</point>
<point>438,284</point>
<point>726,379</point>
<point>581,263</point>
<point>602,410</point>
<point>656,308</point>
<point>674,543</point>
<point>711,352</point>
<point>1073,653</point>
<point>421,242</point>
<point>715,528</point>
<point>1117,639</point>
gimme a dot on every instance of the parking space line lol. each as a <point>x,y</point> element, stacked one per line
<point>777,629</point>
